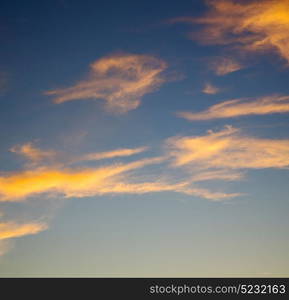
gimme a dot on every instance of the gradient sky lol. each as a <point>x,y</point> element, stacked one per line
<point>144,138</point>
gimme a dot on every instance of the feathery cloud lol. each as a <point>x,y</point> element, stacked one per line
<point>68,182</point>
<point>122,80</point>
<point>112,179</point>
<point>205,193</point>
<point>241,107</point>
<point>229,149</point>
<point>226,175</point>
<point>113,154</point>
<point>29,151</point>
<point>63,180</point>
<point>210,89</point>
<point>39,157</point>
<point>10,230</point>
<point>258,25</point>
<point>225,65</point>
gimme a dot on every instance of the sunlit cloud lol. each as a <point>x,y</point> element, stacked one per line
<point>241,107</point>
<point>10,230</point>
<point>210,89</point>
<point>112,179</point>
<point>228,149</point>
<point>63,180</point>
<point>225,65</point>
<point>260,25</point>
<point>207,194</point>
<point>38,156</point>
<point>77,182</point>
<point>32,153</point>
<point>121,80</point>
<point>112,154</point>
<point>225,175</point>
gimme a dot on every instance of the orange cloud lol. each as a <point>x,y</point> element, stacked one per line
<point>37,156</point>
<point>61,180</point>
<point>113,154</point>
<point>240,107</point>
<point>210,89</point>
<point>68,182</point>
<point>228,149</point>
<point>122,80</point>
<point>10,230</point>
<point>90,182</point>
<point>260,25</point>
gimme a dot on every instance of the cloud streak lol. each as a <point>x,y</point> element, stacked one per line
<point>121,80</point>
<point>226,175</point>
<point>241,107</point>
<point>63,180</point>
<point>113,154</point>
<point>228,149</point>
<point>247,25</point>
<point>77,182</point>
<point>10,230</point>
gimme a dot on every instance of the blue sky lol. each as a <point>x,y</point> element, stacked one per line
<point>121,154</point>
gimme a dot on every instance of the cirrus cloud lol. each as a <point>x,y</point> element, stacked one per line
<point>228,149</point>
<point>241,107</point>
<point>61,179</point>
<point>10,230</point>
<point>121,80</point>
<point>258,25</point>
<point>77,182</point>
<point>225,65</point>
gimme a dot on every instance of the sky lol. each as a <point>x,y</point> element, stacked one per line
<point>144,138</point>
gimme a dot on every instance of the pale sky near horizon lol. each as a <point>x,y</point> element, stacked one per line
<point>144,138</point>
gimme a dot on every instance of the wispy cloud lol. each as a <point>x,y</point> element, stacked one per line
<point>35,155</point>
<point>121,80</point>
<point>112,154</point>
<point>207,194</point>
<point>69,182</point>
<point>10,230</point>
<point>210,89</point>
<point>226,175</point>
<point>225,65</point>
<point>248,25</point>
<point>241,107</point>
<point>62,179</point>
<point>229,149</point>
<point>215,156</point>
